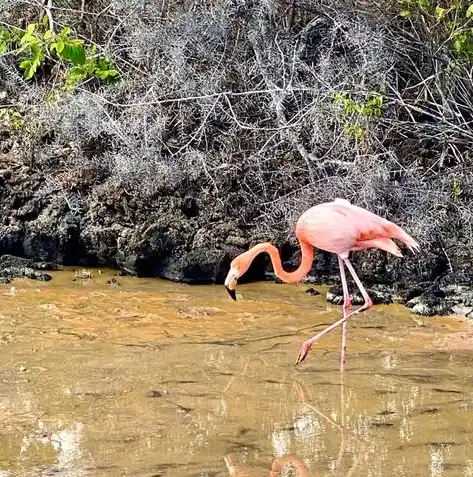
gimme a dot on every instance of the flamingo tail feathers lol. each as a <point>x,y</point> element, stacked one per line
<point>396,232</point>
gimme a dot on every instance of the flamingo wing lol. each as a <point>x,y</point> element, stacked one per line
<point>341,227</point>
<point>376,232</point>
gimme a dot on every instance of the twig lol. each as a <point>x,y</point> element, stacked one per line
<point>47,6</point>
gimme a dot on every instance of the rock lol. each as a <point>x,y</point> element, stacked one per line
<point>312,292</point>
<point>5,174</point>
<point>430,302</point>
<point>429,299</point>
<point>37,275</point>
<point>379,297</point>
<point>156,394</point>
<point>428,308</point>
<point>83,275</point>
<point>459,294</point>
<point>48,266</point>
<point>13,267</point>
<point>11,261</point>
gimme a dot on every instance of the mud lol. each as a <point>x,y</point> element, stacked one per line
<point>148,377</point>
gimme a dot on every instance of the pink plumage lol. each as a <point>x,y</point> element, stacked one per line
<point>338,227</point>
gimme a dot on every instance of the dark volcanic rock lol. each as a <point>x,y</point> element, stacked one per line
<point>431,302</point>
<point>379,296</point>
<point>185,237</point>
<point>12,267</point>
<point>312,292</point>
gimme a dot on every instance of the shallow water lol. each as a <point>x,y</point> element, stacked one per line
<point>151,378</point>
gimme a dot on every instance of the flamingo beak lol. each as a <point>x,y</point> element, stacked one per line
<point>230,283</point>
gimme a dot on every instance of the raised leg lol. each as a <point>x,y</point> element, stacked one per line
<point>305,347</point>
<point>368,301</point>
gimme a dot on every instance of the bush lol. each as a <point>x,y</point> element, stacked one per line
<point>261,108</point>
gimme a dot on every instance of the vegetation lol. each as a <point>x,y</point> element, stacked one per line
<point>259,108</point>
<point>37,44</point>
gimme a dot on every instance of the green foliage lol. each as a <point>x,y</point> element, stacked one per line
<point>98,67</point>
<point>457,190</point>
<point>356,111</point>
<point>38,44</point>
<point>10,118</point>
<point>448,21</point>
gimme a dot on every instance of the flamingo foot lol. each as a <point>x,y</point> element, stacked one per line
<point>303,351</point>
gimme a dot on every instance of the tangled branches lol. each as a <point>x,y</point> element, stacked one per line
<point>262,108</point>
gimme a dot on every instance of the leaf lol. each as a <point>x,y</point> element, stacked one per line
<point>439,12</point>
<point>76,41</point>
<point>74,75</point>
<point>101,74</point>
<point>31,67</point>
<point>405,12</point>
<point>66,31</point>
<point>469,11</point>
<point>48,34</point>
<point>59,45</point>
<point>30,29</point>
<point>26,38</point>
<point>25,64</point>
<point>74,53</point>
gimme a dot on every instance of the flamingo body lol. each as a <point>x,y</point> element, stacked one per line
<point>338,227</point>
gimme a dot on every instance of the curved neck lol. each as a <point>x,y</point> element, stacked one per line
<point>288,277</point>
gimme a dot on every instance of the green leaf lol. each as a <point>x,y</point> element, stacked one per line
<point>76,41</point>
<point>469,11</point>
<point>30,29</point>
<point>59,46</point>
<point>25,64</point>
<point>48,34</point>
<point>66,31</point>
<point>439,12</point>
<point>30,67</point>
<point>405,12</point>
<point>74,53</point>
<point>26,38</point>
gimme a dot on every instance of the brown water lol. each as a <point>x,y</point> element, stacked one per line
<point>152,378</point>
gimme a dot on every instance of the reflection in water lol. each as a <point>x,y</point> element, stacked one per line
<point>278,465</point>
<point>66,444</point>
<point>153,378</point>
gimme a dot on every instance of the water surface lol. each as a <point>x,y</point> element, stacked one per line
<point>151,378</point>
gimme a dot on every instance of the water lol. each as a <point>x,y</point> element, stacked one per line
<point>151,378</point>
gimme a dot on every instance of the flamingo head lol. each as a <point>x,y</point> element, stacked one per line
<point>238,267</point>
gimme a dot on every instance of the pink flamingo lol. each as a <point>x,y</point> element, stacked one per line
<point>338,227</point>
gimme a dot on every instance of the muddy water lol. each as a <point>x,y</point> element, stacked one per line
<point>151,378</point>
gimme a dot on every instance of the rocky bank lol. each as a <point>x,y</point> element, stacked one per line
<point>176,238</point>
<point>176,148</point>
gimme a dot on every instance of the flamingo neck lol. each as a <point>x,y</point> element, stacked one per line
<point>288,277</point>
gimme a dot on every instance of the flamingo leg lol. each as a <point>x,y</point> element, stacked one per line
<point>346,308</point>
<point>368,301</point>
<point>305,347</point>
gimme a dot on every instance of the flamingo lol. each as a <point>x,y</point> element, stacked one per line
<point>338,227</point>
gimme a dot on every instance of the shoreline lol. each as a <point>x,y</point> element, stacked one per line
<point>426,299</point>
